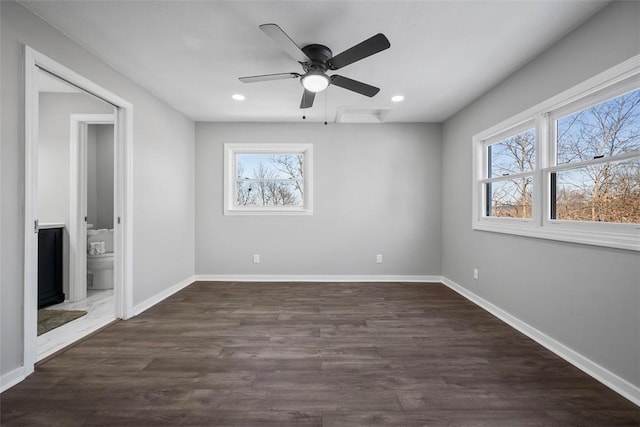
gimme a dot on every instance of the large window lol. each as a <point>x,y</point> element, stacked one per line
<point>597,167</point>
<point>268,178</point>
<point>567,169</point>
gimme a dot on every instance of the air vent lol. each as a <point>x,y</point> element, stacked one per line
<point>361,115</point>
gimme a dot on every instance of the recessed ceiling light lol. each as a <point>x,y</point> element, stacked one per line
<point>397,98</point>
<point>238,97</point>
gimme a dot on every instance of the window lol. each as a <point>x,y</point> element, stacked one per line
<point>267,179</point>
<point>510,162</point>
<point>596,176</point>
<point>567,169</point>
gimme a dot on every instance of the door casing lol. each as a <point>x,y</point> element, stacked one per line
<point>123,195</point>
<point>78,201</point>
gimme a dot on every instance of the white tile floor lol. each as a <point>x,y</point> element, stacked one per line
<point>100,307</point>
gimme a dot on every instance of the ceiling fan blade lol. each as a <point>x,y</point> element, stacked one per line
<point>267,77</point>
<point>307,99</point>
<point>354,85</point>
<point>284,41</point>
<point>360,51</point>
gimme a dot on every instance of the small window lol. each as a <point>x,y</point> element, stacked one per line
<point>512,155</point>
<point>510,162</point>
<point>268,178</point>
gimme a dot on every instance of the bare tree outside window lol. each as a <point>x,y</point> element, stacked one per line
<point>270,180</point>
<point>607,190</point>
<point>512,198</point>
<point>566,169</point>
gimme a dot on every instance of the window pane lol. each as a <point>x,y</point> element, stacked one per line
<point>268,179</point>
<point>269,166</point>
<point>607,192</point>
<point>269,193</point>
<point>515,154</point>
<point>510,199</point>
<point>604,130</point>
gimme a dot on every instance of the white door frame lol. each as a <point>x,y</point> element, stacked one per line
<point>78,202</point>
<point>123,195</point>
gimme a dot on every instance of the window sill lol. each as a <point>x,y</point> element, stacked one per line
<point>268,212</point>
<point>564,233</point>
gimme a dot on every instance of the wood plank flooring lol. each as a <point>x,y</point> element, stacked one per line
<point>312,354</point>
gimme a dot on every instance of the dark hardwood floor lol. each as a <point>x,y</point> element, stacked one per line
<point>312,354</point>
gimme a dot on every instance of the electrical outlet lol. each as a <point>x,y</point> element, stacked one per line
<point>256,258</point>
<point>475,274</point>
<point>379,259</point>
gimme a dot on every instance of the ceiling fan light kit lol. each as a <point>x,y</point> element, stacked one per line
<point>315,81</point>
<point>316,60</point>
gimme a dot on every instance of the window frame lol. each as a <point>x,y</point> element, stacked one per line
<point>484,178</point>
<point>229,181</point>
<point>607,85</point>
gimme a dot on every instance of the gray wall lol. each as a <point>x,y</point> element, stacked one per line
<point>100,176</point>
<point>54,150</point>
<point>163,182</point>
<point>376,190</point>
<point>92,182</point>
<point>585,297</point>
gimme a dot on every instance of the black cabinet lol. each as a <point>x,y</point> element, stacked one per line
<point>50,267</point>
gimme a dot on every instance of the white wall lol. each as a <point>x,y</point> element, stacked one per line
<point>54,150</point>
<point>376,191</point>
<point>163,183</point>
<point>588,298</point>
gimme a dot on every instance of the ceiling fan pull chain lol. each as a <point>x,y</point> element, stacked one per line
<point>326,97</point>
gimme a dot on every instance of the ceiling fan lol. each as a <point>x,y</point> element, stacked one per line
<point>316,60</point>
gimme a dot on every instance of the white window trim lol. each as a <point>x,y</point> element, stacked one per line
<point>231,149</point>
<point>622,236</point>
<point>482,150</point>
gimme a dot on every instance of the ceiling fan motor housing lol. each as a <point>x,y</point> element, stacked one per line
<point>319,55</point>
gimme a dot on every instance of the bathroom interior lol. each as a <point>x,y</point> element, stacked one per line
<point>93,307</point>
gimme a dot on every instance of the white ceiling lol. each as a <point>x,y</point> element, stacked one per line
<point>443,54</point>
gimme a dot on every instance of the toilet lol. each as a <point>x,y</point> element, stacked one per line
<point>100,259</point>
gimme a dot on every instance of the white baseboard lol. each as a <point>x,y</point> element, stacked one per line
<point>606,377</point>
<point>315,278</point>
<point>12,378</point>
<point>150,302</point>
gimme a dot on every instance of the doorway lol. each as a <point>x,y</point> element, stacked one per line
<point>121,121</point>
<point>87,143</point>
<point>92,184</point>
